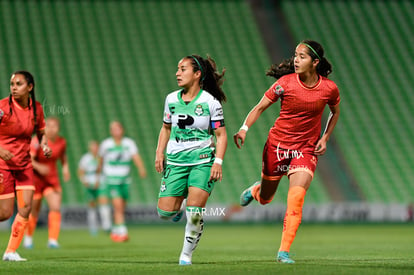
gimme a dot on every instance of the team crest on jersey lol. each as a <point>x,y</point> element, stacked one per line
<point>1,114</point>
<point>199,110</point>
<point>163,187</point>
<point>279,90</point>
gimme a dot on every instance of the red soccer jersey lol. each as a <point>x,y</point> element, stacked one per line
<point>16,131</point>
<point>58,147</point>
<point>299,123</point>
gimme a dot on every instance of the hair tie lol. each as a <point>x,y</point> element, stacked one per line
<point>310,47</point>
<point>199,65</point>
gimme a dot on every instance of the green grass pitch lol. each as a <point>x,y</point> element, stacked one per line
<point>224,249</point>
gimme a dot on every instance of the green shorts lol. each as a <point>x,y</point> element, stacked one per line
<point>177,179</point>
<point>113,191</point>
<point>92,194</point>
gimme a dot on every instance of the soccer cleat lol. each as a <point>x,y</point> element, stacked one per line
<point>185,260</point>
<point>246,197</point>
<point>13,257</point>
<point>117,238</point>
<point>283,257</point>
<point>53,244</point>
<point>178,217</point>
<point>28,242</point>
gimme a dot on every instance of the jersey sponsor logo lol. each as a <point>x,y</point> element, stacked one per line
<point>177,139</point>
<point>279,90</point>
<point>199,110</point>
<point>287,154</point>
<point>167,116</point>
<point>219,111</point>
<point>184,120</point>
<point>204,156</point>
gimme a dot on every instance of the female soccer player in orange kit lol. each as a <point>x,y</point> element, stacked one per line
<point>20,116</point>
<point>47,183</point>
<point>294,141</point>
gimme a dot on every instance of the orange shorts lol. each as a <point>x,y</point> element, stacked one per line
<point>45,185</point>
<point>278,162</point>
<point>12,180</point>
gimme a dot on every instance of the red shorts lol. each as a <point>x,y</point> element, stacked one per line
<point>45,185</point>
<point>278,162</point>
<point>12,180</point>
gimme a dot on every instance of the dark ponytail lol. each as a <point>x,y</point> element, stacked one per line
<point>30,80</point>
<point>210,80</point>
<point>315,50</point>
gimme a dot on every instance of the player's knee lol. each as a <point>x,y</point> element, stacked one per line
<point>5,213</point>
<point>166,215</point>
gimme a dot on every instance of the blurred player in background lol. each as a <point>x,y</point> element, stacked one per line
<point>20,117</point>
<point>192,116</point>
<point>46,178</point>
<point>87,173</point>
<point>294,141</point>
<point>116,155</point>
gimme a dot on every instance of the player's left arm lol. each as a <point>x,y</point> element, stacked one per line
<point>65,166</point>
<point>320,148</point>
<point>221,146</point>
<point>139,163</point>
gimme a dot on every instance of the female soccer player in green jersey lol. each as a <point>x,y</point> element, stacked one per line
<point>193,115</point>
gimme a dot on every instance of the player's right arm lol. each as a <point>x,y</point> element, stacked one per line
<point>163,138</point>
<point>5,154</point>
<point>251,118</point>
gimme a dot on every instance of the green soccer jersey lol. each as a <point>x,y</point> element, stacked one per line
<point>192,141</point>
<point>117,160</point>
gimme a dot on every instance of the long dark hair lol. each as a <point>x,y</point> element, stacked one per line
<point>211,80</point>
<point>30,80</point>
<point>324,68</point>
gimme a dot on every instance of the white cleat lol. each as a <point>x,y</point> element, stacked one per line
<point>184,260</point>
<point>53,244</point>
<point>28,242</point>
<point>13,257</point>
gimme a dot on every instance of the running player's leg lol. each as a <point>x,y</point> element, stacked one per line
<point>33,217</point>
<point>199,190</point>
<point>300,177</point>
<point>273,169</point>
<point>53,197</point>
<point>196,202</point>
<point>92,216</point>
<point>104,207</point>
<point>24,193</point>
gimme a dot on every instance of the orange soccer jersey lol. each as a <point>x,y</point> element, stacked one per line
<point>58,147</point>
<point>299,123</point>
<point>16,129</point>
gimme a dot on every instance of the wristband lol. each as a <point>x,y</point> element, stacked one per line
<point>219,161</point>
<point>244,127</point>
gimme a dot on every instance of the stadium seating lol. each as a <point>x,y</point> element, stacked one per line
<point>96,61</point>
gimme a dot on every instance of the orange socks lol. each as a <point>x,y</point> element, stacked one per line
<point>293,216</point>
<point>17,232</point>
<point>31,226</point>
<point>54,225</point>
<point>256,195</point>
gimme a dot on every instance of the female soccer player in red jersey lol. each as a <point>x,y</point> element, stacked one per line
<point>46,179</point>
<point>294,141</point>
<point>20,116</point>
